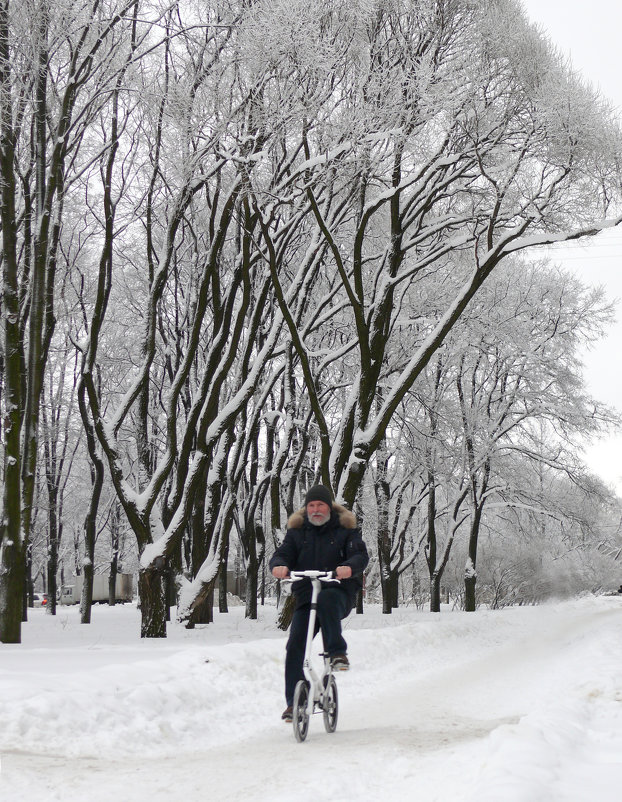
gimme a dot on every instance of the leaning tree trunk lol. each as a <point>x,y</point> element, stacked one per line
<point>287,612</point>
<point>254,538</point>
<point>201,535</point>
<point>90,533</point>
<point>202,611</point>
<point>90,521</point>
<point>223,604</point>
<point>252,573</point>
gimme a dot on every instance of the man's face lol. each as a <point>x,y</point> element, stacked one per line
<point>318,512</point>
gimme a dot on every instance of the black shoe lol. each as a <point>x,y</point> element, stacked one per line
<point>288,714</point>
<point>340,662</point>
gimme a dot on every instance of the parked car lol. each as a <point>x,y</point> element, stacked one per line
<point>39,599</point>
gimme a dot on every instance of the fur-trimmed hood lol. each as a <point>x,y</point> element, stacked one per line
<point>347,518</point>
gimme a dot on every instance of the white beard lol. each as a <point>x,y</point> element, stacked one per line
<point>318,518</point>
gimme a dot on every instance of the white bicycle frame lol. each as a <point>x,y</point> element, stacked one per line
<point>316,682</point>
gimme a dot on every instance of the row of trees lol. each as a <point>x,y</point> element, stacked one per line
<point>487,449</point>
<point>251,241</point>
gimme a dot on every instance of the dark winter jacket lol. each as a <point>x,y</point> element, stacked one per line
<point>322,548</point>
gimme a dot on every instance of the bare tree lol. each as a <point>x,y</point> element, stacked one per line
<point>53,85</point>
<point>60,442</point>
<point>479,158</point>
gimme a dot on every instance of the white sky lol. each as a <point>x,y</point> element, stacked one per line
<point>590,35</point>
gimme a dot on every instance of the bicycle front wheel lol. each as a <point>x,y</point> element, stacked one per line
<point>300,712</point>
<point>330,704</point>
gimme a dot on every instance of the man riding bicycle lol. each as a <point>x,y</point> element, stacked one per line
<point>322,536</point>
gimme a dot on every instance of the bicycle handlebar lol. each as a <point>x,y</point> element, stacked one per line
<point>323,576</point>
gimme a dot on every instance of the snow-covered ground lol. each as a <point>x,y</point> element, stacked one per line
<point>518,705</point>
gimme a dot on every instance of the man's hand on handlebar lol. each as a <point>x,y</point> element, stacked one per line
<point>280,572</point>
<point>343,572</point>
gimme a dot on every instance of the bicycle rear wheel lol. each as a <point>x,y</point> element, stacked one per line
<point>300,712</point>
<point>330,704</point>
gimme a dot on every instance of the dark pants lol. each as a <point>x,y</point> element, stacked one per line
<point>333,604</point>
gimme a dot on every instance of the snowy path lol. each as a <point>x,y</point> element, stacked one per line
<point>520,705</point>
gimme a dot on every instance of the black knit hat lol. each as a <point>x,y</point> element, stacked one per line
<point>319,493</point>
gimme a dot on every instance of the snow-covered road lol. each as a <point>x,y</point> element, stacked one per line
<point>516,705</point>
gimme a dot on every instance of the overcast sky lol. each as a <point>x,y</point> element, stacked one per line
<point>589,33</point>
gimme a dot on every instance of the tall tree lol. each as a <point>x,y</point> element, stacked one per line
<point>53,84</point>
<point>12,577</point>
<point>438,144</point>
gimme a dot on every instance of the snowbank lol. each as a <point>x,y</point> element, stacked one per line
<point>512,705</point>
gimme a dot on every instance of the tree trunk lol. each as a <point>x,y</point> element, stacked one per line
<point>152,603</point>
<point>287,611</point>
<point>90,520</point>
<point>53,544</point>
<point>52,568</point>
<point>431,546</point>
<point>470,574</point>
<point>435,593</point>
<point>112,585</point>
<point>392,588</point>
<point>40,282</point>
<point>223,605</point>
<point>470,581</point>
<point>114,554</point>
<point>30,584</point>
<point>11,590</point>
<point>203,612</point>
<point>171,575</point>
<point>470,571</point>
<point>12,557</point>
<point>90,533</point>
<point>255,537</point>
<point>359,602</point>
<point>252,570</point>
<point>86,597</point>
<point>382,490</point>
